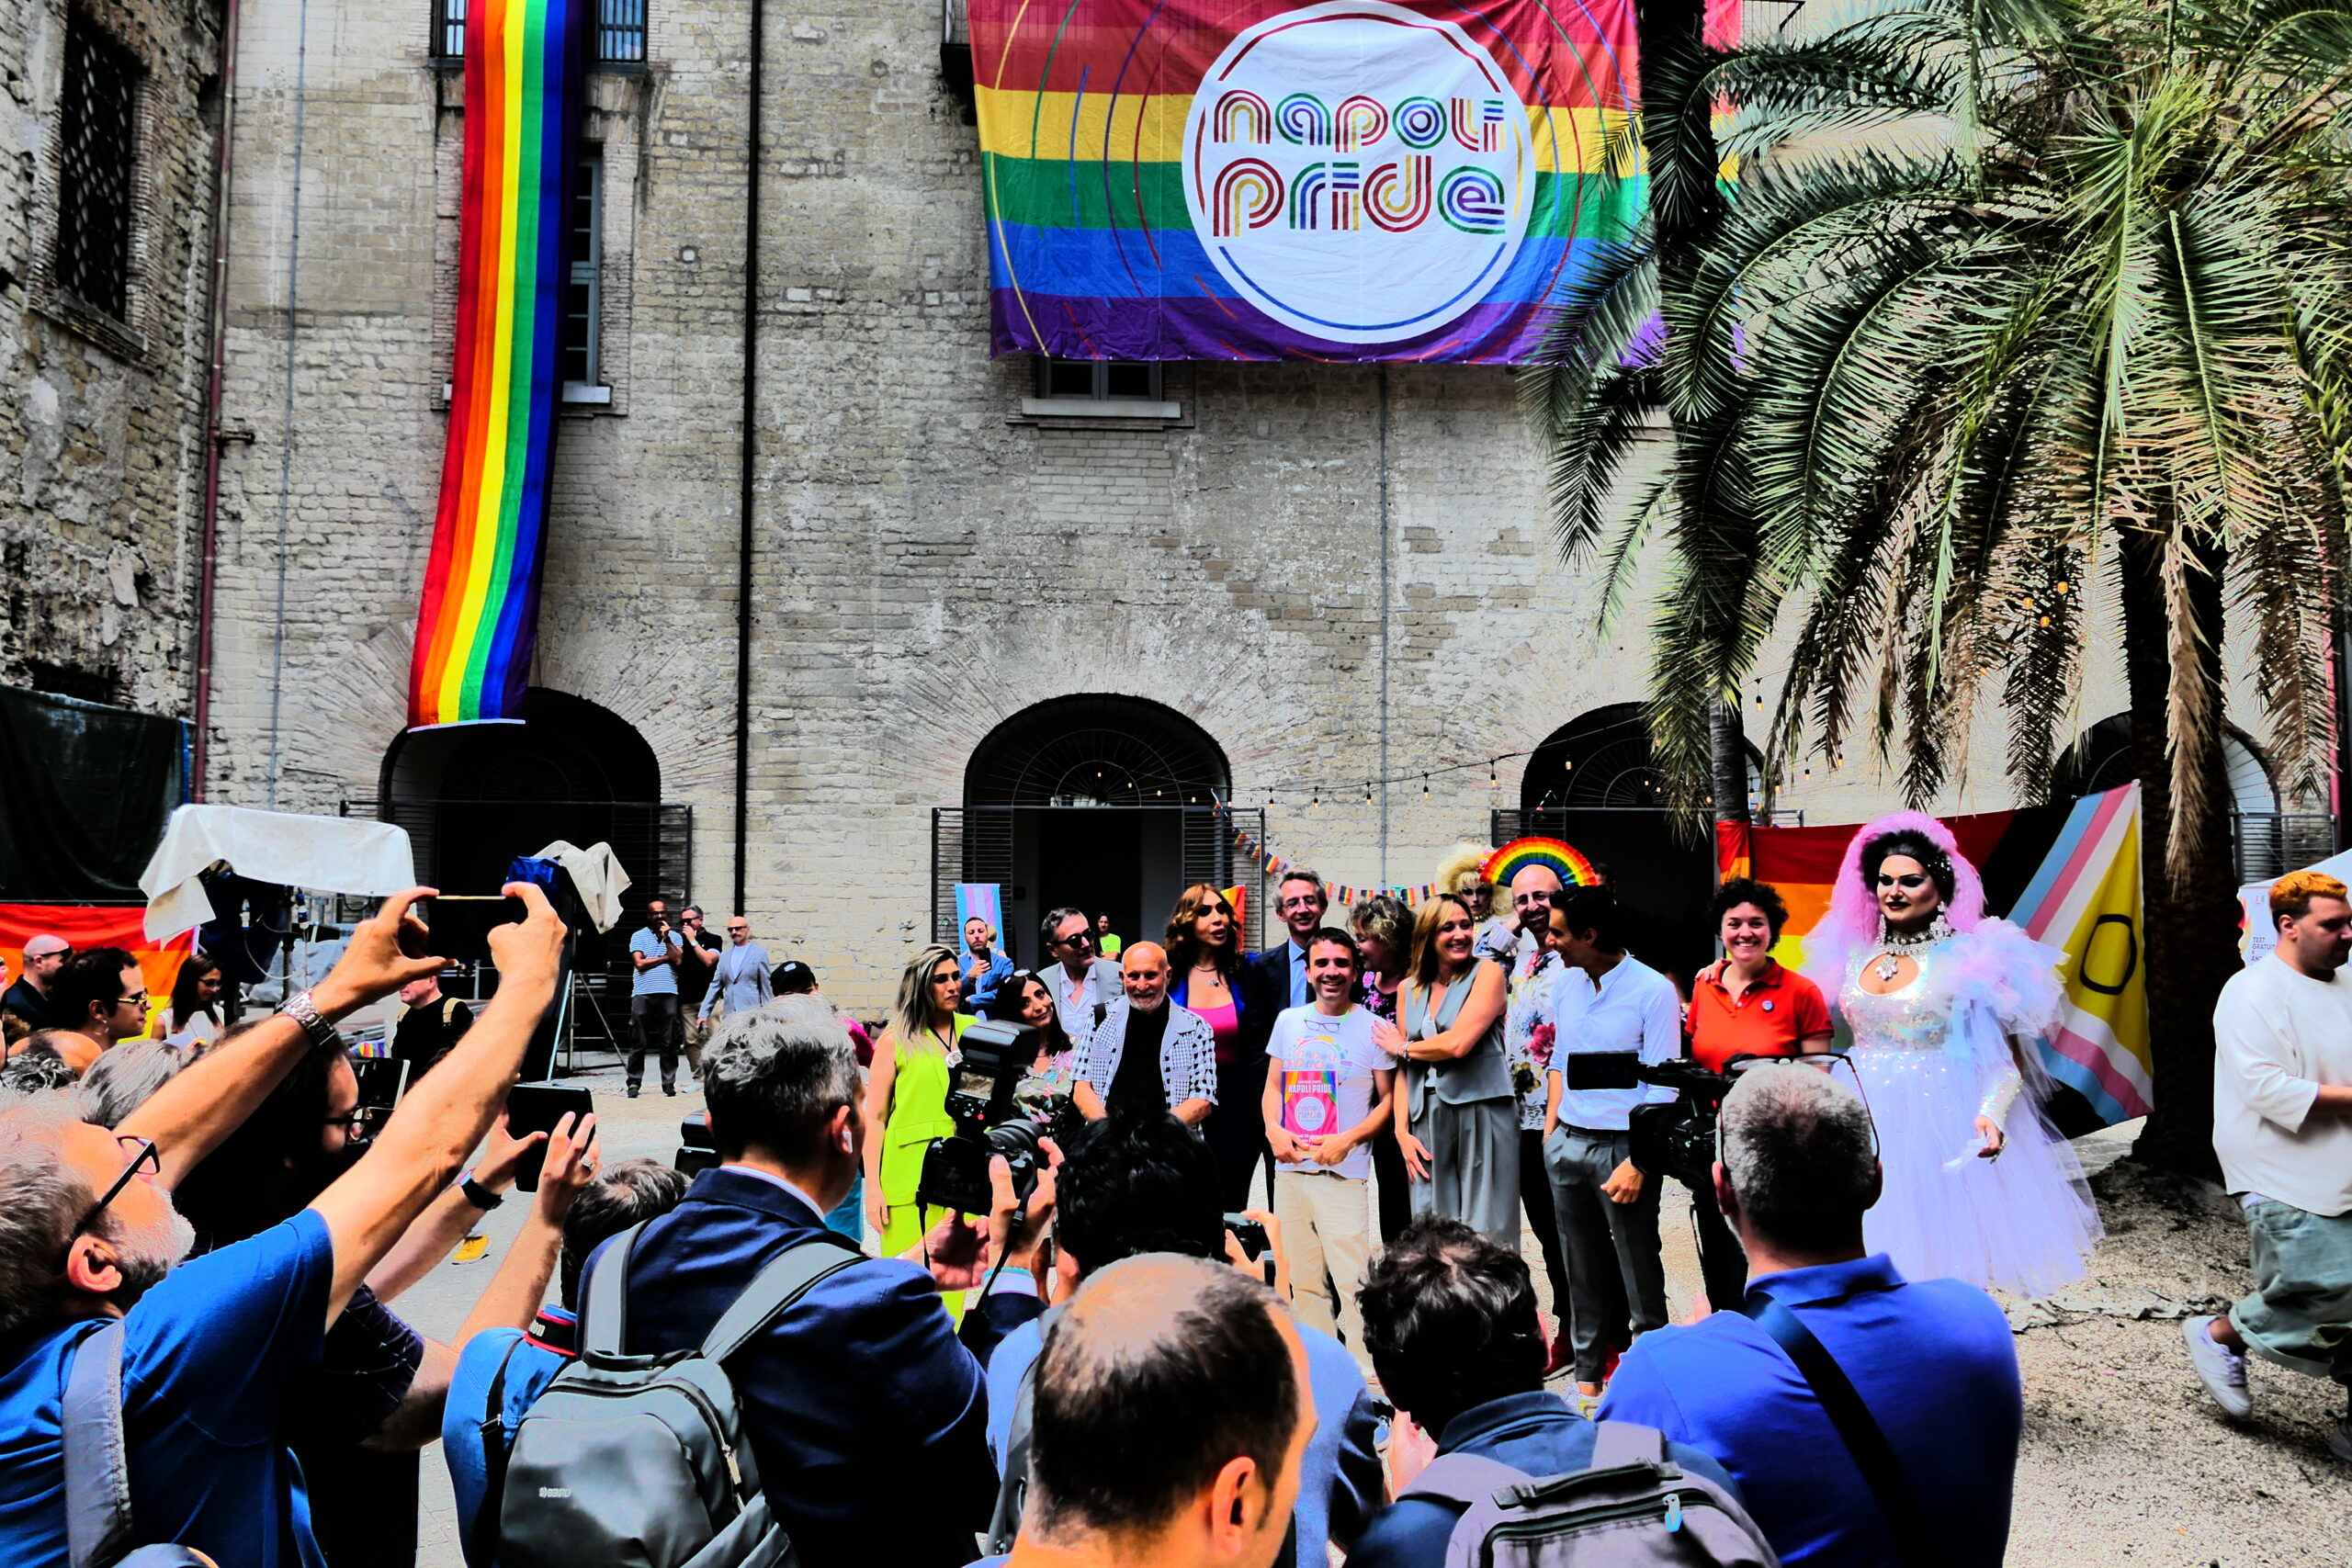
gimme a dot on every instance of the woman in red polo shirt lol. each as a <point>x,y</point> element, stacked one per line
<point>1746,1004</point>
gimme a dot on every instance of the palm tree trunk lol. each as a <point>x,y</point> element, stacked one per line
<point>2189,920</point>
<point>1729,745</point>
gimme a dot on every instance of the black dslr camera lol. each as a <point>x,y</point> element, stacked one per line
<point>988,1120</point>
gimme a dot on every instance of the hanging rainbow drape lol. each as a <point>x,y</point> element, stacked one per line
<point>476,627</point>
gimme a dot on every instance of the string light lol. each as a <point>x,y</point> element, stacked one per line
<point>1425,786</point>
<point>1493,779</point>
<point>1367,791</point>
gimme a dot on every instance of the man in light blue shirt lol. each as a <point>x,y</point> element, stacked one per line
<point>1610,1014</point>
<point>1932,1361</point>
<point>654,953</point>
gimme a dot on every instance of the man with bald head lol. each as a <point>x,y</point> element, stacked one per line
<point>1148,1053</point>
<point>1206,1357</point>
<point>29,997</point>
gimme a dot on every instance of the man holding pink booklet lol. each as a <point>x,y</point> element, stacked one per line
<point>1323,1108</point>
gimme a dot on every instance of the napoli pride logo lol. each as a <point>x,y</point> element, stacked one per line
<point>1357,171</point>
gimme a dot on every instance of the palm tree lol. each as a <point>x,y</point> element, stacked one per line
<point>2070,356</point>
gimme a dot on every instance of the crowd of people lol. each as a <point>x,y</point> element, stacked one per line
<point>1135,1360</point>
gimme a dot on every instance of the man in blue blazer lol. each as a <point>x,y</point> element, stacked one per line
<point>866,1415</point>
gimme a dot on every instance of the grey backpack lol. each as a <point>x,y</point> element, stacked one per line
<point>99,1532</point>
<point>1631,1508</point>
<point>642,1462</point>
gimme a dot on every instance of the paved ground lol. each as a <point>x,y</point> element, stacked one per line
<point>2126,1462</point>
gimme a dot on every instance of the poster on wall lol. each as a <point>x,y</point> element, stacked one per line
<point>1355,180</point>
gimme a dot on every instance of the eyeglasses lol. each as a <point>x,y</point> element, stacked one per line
<point>1084,939</point>
<point>739,930</point>
<point>143,1153</point>
<point>360,1124</point>
<point>136,998</point>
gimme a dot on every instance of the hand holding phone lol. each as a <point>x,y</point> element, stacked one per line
<point>537,1108</point>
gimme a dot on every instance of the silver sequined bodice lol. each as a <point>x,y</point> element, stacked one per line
<point>1899,1020</point>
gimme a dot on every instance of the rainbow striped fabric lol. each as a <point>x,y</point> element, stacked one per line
<point>1353,180</point>
<point>478,624</point>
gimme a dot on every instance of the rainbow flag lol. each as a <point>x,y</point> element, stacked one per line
<point>2069,875</point>
<point>478,624</point>
<point>1355,180</point>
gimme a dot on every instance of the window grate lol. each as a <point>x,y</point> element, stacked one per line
<point>621,31</point>
<point>97,163</point>
<point>1099,380</point>
<point>583,294</point>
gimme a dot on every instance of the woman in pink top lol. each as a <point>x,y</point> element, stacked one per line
<point>1204,963</point>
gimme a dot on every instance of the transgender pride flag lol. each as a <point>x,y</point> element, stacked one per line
<point>1355,180</point>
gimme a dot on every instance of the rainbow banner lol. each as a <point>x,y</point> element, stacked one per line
<point>478,625</point>
<point>1351,181</point>
<point>2069,875</point>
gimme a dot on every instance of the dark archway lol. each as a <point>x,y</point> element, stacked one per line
<point>1104,802</point>
<point>474,796</point>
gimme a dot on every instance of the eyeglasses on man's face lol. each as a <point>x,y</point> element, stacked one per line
<point>144,1157</point>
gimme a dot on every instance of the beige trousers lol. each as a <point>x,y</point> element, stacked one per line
<point>1326,1230</point>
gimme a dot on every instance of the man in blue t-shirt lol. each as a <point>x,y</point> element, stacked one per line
<point>656,953</point>
<point>1450,1318</point>
<point>1932,1361</point>
<point>208,1344</point>
<point>1148,1184</point>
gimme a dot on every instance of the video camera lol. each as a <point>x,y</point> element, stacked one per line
<point>1677,1138</point>
<point>988,1119</point>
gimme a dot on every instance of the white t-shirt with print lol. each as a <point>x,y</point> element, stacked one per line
<point>1326,1065</point>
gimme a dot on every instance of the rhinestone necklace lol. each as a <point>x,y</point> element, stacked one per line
<point>1897,945</point>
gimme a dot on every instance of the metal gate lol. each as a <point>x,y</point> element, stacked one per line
<point>975,844</point>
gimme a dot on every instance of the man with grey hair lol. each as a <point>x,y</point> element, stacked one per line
<point>861,1384</point>
<point>89,1240</point>
<point>1862,1415</point>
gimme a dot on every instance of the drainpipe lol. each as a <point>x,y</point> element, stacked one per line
<point>744,479</point>
<point>215,378</point>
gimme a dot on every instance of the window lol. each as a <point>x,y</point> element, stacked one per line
<point>98,151</point>
<point>583,301</point>
<point>1099,380</point>
<point>621,31</point>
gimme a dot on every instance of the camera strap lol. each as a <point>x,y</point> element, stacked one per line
<point>1914,1546</point>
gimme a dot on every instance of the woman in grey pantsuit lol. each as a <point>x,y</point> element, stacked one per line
<point>1461,1132</point>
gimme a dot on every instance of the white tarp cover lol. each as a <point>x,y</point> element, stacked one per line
<point>596,876</point>
<point>332,854</point>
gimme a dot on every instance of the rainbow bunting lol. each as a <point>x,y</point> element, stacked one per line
<point>478,624</point>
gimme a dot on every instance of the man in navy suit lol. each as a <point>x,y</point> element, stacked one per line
<point>866,1415</point>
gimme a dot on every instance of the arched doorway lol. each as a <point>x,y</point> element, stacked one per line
<point>1596,782</point>
<point>2268,839</point>
<point>1105,802</point>
<point>474,796</point>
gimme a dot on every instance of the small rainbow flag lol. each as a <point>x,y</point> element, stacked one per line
<point>478,624</point>
<point>1565,859</point>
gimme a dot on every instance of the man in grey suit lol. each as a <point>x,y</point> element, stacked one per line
<point>739,979</point>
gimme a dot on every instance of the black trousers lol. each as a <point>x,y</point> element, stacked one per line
<point>1236,1131</point>
<point>1395,1195</point>
<point>655,1020</point>
<point>1535,1197</point>
<point>1723,1263</point>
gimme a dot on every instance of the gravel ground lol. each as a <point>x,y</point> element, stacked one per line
<point>2125,1462</point>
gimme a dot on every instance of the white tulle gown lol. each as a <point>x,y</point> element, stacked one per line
<point>1927,1057</point>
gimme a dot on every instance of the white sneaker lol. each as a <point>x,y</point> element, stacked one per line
<point>2222,1371</point>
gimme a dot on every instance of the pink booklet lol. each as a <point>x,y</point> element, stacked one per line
<point>1311,1102</point>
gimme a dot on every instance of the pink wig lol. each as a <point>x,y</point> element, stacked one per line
<point>1852,921</point>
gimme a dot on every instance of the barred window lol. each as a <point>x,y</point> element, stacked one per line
<point>621,31</point>
<point>97,160</point>
<point>583,302</point>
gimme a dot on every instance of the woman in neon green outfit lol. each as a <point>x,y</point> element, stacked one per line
<point>906,1099</point>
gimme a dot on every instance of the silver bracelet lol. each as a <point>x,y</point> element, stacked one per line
<point>302,1010</point>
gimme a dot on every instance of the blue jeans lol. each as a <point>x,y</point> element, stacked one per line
<point>2300,1313</point>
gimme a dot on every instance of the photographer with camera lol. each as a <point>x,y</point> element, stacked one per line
<point>1744,1004</point>
<point>1148,1183</point>
<point>865,1415</point>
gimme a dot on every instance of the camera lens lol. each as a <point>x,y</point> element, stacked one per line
<point>1015,1137</point>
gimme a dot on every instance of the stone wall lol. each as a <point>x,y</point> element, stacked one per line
<point>102,420</point>
<point>928,560</point>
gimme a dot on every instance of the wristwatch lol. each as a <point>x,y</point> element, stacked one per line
<point>481,1197</point>
<point>317,1029</point>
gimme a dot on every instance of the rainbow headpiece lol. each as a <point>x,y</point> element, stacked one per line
<point>1566,861</point>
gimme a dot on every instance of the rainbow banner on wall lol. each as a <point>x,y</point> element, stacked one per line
<point>478,625</point>
<point>2069,875</point>
<point>1351,181</point>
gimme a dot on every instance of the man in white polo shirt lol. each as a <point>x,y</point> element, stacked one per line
<point>2282,1126</point>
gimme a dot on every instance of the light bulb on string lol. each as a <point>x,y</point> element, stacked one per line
<point>1425,786</point>
<point>1367,791</point>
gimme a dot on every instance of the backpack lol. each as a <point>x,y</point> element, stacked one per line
<point>642,1462</point>
<point>1631,1508</point>
<point>97,1472</point>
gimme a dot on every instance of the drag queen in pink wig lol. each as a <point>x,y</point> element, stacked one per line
<point>1944,1007</point>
